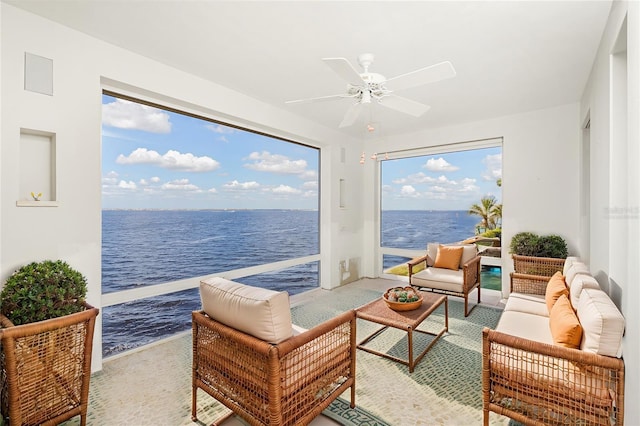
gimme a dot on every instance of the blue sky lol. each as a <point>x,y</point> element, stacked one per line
<point>156,159</point>
<point>152,158</point>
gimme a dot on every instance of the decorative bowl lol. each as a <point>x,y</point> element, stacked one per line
<point>402,298</point>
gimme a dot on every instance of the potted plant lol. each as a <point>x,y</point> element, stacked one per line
<point>538,255</point>
<point>46,343</point>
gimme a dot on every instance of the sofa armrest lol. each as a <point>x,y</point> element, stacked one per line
<point>414,262</point>
<point>534,382</point>
<point>532,265</point>
<point>528,284</point>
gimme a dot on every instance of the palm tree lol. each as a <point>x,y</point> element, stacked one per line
<point>488,210</point>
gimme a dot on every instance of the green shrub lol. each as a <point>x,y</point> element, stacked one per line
<point>493,233</point>
<point>42,290</point>
<point>524,244</point>
<point>552,246</point>
<point>531,244</point>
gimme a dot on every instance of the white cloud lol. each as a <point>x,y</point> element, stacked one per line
<point>284,189</point>
<point>212,191</point>
<point>219,129</point>
<point>409,191</point>
<point>180,185</point>
<point>110,179</point>
<point>310,184</point>
<point>439,165</point>
<point>171,160</point>
<point>130,115</point>
<point>493,171</point>
<point>241,186</point>
<point>155,179</point>
<point>266,162</point>
<point>127,185</point>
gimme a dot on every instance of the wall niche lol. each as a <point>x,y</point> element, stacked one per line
<point>37,183</point>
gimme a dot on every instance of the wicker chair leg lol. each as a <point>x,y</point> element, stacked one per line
<point>194,417</point>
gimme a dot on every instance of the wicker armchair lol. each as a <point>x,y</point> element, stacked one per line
<point>455,283</point>
<point>288,383</point>
<point>45,369</point>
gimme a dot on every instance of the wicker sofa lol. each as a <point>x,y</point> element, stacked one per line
<point>539,367</point>
<point>249,356</point>
<point>457,279</point>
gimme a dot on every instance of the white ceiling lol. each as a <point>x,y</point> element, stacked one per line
<point>510,56</point>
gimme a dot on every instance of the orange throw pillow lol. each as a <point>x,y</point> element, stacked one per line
<point>564,324</point>
<point>448,257</point>
<point>555,288</point>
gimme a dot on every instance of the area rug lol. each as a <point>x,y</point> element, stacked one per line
<point>153,386</point>
<point>446,385</point>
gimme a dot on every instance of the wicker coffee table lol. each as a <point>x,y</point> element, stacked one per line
<point>378,312</point>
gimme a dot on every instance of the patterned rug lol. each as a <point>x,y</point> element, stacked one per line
<point>446,385</point>
<point>153,386</point>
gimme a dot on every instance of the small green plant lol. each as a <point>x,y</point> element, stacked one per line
<point>524,244</point>
<point>552,246</point>
<point>42,290</point>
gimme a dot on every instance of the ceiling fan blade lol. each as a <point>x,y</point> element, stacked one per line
<point>404,105</point>
<point>318,99</point>
<point>344,69</point>
<point>429,74</point>
<point>351,115</point>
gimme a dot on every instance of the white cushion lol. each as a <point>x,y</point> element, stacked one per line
<point>575,269</point>
<point>432,252</point>
<point>534,304</point>
<point>580,282</point>
<point>439,278</point>
<point>527,326</point>
<point>568,262</point>
<point>260,312</point>
<point>602,323</point>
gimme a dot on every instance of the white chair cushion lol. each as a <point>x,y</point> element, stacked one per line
<point>432,252</point>
<point>575,269</point>
<point>580,282</point>
<point>260,312</point>
<point>602,323</point>
<point>439,278</point>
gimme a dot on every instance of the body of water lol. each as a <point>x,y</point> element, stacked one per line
<point>147,247</point>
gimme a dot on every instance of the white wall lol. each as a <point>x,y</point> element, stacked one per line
<point>615,190</point>
<point>82,66</point>
<point>540,170</point>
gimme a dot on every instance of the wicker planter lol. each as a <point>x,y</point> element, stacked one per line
<point>543,266</point>
<point>45,368</point>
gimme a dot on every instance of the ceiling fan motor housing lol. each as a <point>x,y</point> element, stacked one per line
<point>373,87</point>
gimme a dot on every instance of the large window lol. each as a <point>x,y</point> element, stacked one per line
<point>185,197</point>
<point>440,197</point>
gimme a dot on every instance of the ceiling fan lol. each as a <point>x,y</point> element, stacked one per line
<point>368,86</point>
